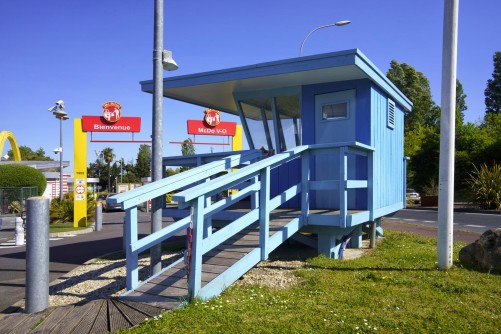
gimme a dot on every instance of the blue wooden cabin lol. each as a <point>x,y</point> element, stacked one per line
<point>333,129</point>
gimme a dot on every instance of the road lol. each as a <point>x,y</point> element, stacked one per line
<point>65,254</point>
<point>474,222</point>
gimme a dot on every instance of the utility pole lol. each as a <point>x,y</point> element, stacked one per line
<point>156,161</point>
<point>447,135</point>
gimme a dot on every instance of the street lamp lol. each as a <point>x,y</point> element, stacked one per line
<point>162,59</point>
<point>337,24</point>
<point>58,111</point>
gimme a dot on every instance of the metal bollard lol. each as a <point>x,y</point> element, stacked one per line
<point>19,232</point>
<point>99,217</point>
<point>37,254</point>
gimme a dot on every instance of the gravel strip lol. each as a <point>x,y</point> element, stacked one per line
<point>101,279</point>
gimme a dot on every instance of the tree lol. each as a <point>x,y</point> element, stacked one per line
<point>187,148</point>
<point>28,154</point>
<point>143,161</point>
<point>107,155</point>
<point>416,87</point>
<point>460,104</point>
<point>493,90</point>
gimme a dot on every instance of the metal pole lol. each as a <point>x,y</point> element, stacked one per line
<point>156,166</point>
<point>37,254</point>
<point>61,159</point>
<point>99,217</point>
<point>447,135</point>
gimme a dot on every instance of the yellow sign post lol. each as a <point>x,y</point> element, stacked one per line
<point>79,175</point>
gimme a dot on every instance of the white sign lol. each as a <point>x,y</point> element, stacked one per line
<point>80,189</point>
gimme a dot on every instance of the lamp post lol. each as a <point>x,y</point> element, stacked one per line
<point>58,111</point>
<point>161,60</point>
<point>337,24</point>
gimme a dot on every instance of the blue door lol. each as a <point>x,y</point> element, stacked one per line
<point>334,123</point>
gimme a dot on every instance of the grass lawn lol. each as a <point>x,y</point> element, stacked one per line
<point>394,289</point>
<point>56,228</point>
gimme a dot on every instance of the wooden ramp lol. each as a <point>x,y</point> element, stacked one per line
<point>161,293</point>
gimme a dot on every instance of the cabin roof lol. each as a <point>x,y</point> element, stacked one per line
<point>215,89</point>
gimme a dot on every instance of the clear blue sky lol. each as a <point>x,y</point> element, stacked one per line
<point>90,52</point>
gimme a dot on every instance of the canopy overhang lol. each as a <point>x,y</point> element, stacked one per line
<point>216,89</point>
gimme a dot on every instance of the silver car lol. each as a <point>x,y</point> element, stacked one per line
<point>413,196</point>
<point>108,206</point>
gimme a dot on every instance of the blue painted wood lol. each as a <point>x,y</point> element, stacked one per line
<point>230,275</point>
<point>285,233</point>
<point>152,190</point>
<point>228,231</point>
<point>264,212</point>
<point>343,192</point>
<point>132,273</point>
<point>195,273</point>
<point>157,237</point>
<point>305,186</point>
<point>285,196</point>
<point>387,160</point>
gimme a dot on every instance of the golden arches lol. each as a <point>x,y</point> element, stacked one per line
<point>4,135</point>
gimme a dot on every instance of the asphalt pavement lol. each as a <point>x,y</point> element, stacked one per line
<point>65,254</point>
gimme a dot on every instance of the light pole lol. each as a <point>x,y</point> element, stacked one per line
<point>58,111</point>
<point>161,60</point>
<point>337,24</point>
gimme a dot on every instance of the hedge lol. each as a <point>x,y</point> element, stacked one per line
<point>14,175</point>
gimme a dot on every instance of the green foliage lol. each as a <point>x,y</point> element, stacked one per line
<point>416,87</point>
<point>143,164</point>
<point>62,212</point>
<point>30,155</point>
<point>424,163</point>
<point>187,148</point>
<point>14,175</point>
<point>394,289</point>
<point>107,155</point>
<point>485,186</point>
<point>493,90</point>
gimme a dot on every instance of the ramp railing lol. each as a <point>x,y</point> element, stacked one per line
<point>134,198</point>
<point>252,181</point>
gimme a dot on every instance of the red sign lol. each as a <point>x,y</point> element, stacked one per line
<point>80,189</point>
<point>212,117</point>
<point>112,111</point>
<point>201,128</point>
<point>99,124</point>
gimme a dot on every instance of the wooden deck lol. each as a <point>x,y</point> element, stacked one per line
<point>160,294</point>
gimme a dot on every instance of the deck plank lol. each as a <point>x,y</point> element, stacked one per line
<point>162,290</point>
<point>132,315</point>
<point>10,321</point>
<point>55,317</point>
<point>101,323</point>
<point>85,325</point>
<point>30,321</point>
<point>147,310</point>
<point>157,301</point>
<point>117,320</point>
<point>74,317</point>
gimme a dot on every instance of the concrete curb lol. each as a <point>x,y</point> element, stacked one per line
<point>70,233</point>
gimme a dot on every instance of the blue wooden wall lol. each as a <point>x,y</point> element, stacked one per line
<point>371,129</point>
<point>388,156</point>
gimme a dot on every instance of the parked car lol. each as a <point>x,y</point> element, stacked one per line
<point>108,206</point>
<point>413,196</point>
<point>101,198</point>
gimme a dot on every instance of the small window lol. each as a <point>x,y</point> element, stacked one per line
<point>335,111</point>
<point>391,114</point>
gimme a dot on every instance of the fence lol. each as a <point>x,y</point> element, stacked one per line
<point>13,199</point>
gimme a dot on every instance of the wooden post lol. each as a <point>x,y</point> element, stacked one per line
<point>264,215</point>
